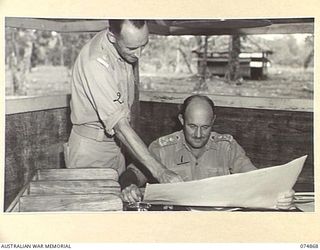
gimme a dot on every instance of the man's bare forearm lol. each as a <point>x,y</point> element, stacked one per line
<point>137,147</point>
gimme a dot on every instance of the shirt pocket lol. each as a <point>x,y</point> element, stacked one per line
<point>214,171</point>
<point>184,171</point>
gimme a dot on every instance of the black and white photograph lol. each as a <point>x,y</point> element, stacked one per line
<point>159,115</point>
<point>159,122</point>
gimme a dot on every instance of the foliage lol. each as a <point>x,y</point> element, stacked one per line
<point>49,47</point>
<point>161,54</point>
<point>26,49</point>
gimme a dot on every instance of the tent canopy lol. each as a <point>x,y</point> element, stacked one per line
<point>175,27</point>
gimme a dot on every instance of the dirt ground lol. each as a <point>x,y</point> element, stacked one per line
<point>281,82</point>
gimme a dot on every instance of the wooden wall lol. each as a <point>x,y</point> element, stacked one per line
<point>33,141</point>
<point>270,137</point>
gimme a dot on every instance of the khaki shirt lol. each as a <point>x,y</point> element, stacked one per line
<point>222,156</point>
<point>102,85</point>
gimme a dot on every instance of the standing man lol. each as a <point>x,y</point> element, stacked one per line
<point>194,153</point>
<point>102,91</point>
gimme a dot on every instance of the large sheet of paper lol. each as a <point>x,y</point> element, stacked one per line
<point>258,189</point>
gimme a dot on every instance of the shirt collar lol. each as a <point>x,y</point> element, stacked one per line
<point>107,45</point>
<point>182,144</point>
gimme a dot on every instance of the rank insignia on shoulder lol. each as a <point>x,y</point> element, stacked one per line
<point>224,137</point>
<point>167,140</point>
<point>103,62</point>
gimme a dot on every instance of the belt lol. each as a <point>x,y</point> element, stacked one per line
<point>92,133</point>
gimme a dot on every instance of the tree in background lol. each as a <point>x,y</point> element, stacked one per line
<point>19,47</point>
<point>309,42</point>
<point>26,49</point>
<point>168,54</point>
<point>233,69</point>
<point>201,85</point>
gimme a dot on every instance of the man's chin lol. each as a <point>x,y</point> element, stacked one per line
<point>131,60</point>
<point>198,145</point>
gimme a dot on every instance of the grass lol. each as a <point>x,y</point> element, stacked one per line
<point>283,82</point>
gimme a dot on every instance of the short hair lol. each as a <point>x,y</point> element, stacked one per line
<point>115,25</point>
<point>189,99</point>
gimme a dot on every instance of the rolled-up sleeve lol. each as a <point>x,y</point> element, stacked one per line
<point>102,90</point>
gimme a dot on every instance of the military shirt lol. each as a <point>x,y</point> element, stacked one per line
<point>222,156</point>
<point>102,87</point>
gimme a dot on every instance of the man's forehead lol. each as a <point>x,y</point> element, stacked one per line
<point>198,105</point>
<point>198,109</point>
<point>128,30</point>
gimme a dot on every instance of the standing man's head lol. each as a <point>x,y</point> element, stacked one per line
<point>197,116</point>
<point>128,37</point>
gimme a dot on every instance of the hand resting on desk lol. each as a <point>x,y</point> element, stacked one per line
<point>285,200</point>
<point>131,194</point>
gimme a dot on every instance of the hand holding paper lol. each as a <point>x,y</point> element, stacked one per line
<point>258,189</point>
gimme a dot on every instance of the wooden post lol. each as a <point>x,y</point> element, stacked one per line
<point>233,71</point>
<point>135,109</point>
<point>202,86</point>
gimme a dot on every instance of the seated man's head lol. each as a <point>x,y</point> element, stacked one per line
<point>128,37</point>
<point>197,116</point>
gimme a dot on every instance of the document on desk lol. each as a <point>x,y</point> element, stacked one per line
<point>257,189</point>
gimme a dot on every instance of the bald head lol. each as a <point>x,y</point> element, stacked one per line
<point>198,103</point>
<point>197,117</point>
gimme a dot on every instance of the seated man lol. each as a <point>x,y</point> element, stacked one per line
<point>194,153</point>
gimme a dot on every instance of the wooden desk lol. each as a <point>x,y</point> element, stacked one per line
<point>304,202</point>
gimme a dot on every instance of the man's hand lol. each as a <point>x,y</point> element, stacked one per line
<point>131,194</point>
<point>285,200</point>
<point>168,176</point>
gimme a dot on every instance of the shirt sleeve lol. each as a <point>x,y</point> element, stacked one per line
<point>239,161</point>
<point>102,90</point>
<point>155,151</point>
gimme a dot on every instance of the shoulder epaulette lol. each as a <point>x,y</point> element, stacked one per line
<point>224,137</point>
<point>168,140</point>
<point>103,61</point>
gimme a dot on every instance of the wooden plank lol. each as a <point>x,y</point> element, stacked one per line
<point>292,104</point>
<point>16,104</point>
<point>14,206</point>
<point>211,27</point>
<point>292,28</point>
<point>74,187</point>
<point>89,202</point>
<point>34,140</point>
<point>158,29</point>
<point>56,25</point>
<point>77,174</point>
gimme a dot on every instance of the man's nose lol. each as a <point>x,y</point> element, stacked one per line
<point>198,132</point>
<point>137,53</point>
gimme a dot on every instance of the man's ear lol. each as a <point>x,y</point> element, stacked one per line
<point>112,37</point>
<point>180,117</point>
